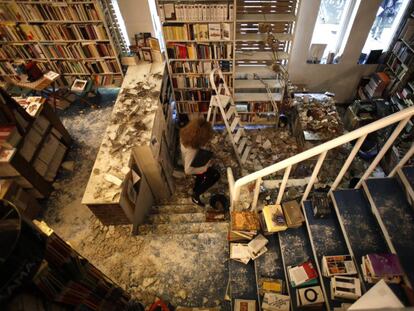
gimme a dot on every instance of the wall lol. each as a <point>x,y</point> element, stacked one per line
<point>137,17</point>
<point>341,79</point>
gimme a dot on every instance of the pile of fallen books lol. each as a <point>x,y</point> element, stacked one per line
<point>341,268</point>
<point>381,266</point>
<point>244,252</point>
<point>271,291</point>
<point>293,214</point>
<point>274,220</point>
<point>32,104</point>
<point>244,226</point>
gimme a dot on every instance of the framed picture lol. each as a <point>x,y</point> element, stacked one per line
<point>146,54</point>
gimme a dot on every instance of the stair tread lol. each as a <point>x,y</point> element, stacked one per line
<point>176,218</point>
<point>242,280</point>
<point>327,240</point>
<point>176,209</point>
<point>296,248</point>
<point>254,55</point>
<point>256,97</point>
<point>398,217</point>
<point>262,36</point>
<point>257,84</point>
<point>184,228</point>
<point>270,264</point>
<point>265,72</point>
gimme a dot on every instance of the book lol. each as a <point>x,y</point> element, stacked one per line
<point>275,302</point>
<point>169,11</point>
<point>9,136</point>
<point>239,252</point>
<point>303,274</point>
<point>79,85</point>
<point>51,75</point>
<point>338,265</point>
<point>344,287</point>
<point>214,32</point>
<point>268,285</point>
<point>244,305</point>
<point>384,264</point>
<point>226,31</point>
<point>309,296</point>
<point>293,214</point>
<point>274,219</point>
<point>244,221</point>
<point>256,245</point>
<point>240,235</point>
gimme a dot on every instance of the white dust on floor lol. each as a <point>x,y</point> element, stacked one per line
<point>172,267</point>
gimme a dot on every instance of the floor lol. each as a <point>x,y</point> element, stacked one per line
<point>187,270</point>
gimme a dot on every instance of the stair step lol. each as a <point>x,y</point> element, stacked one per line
<point>396,218</point>
<point>176,218</point>
<point>360,229</point>
<point>257,84</point>
<point>262,37</point>
<point>267,18</point>
<point>257,97</point>
<point>242,280</point>
<point>249,72</point>
<point>265,56</point>
<point>326,239</point>
<point>177,209</point>
<point>406,175</point>
<point>295,248</point>
<point>184,228</point>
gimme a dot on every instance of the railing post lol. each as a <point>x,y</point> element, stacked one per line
<point>402,162</point>
<point>347,163</point>
<point>314,175</point>
<point>256,193</point>
<point>283,185</point>
<point>382,152</point>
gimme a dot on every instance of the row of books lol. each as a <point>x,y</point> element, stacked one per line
<point>377,84</point>
<point>200,51</point>
<point>25,32</point>
<point>9,12</point>
<point>100,80</point>
<point>398,68</point>
<point>403,52</point>
<point>254,107</point>
<point>192,107</point>
<point>85,67</point>
<point>196,82</point>
<point>192,95</point>
<point>52,12</point>
<point>199,67</point>
<point>199,32</point>
<point>24,51</point>
<point>195,12</point>
<point>7,68</point>
<point>78,51</point>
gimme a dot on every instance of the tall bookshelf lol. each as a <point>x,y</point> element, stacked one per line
<point>68,37</point>
<point>246,63</point>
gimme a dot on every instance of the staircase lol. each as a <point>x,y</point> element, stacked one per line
<point>377,216</point>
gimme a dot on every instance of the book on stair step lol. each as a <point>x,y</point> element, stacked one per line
<point>275,302</point>
<point>293,214</point>
<point>9,136</point>
<point>303,274</point>
<point>338,265</point>
<point>244,305</point>
<point>269,285</point>
<point>274,218</point>
<point>381,266</point>
<point>310,297</point>
<point>244,221</point>
<point>344,287</point>
<point>257,246</point>
<point>240,235</point>
<point>240,252</point>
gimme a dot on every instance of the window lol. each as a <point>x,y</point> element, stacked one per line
<point>386,23</point>
<point>332,29</point>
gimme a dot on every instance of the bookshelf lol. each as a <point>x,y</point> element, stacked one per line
<point>68,37</point>
<point>199,35</point>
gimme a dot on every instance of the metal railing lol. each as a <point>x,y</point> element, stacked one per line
<point>402,117</point>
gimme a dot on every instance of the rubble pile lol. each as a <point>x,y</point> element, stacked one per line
<point>318,116</point>
<point>130,125</point>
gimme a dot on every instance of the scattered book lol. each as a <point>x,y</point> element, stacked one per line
<point>303,275</point>
<point>268,285</point>
<point>274,219</point>
<point>275,302</point>
<point>244,305</point>
<point>51,75</point>
<point>239,252</point>
<point>79,85</point>
<point>309,296</point>
<point>257,245</point>
<point>241,235</point>
<point>381,266</point>
<point>338,265</point>
<point>253,250</point>
<point>9,136</point>
<point>344,287</point>
<point>244,221</point>
<point>293,214</point>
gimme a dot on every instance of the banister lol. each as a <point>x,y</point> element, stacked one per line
<point>230,179</point>
<point>336,142</point>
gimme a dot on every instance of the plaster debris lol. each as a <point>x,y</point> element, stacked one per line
<point>68,166</point>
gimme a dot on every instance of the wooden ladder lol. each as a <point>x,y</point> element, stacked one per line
<point>223,100</point>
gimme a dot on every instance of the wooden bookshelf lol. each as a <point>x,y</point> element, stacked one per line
<point>71,38</point>
<point>248,55</point>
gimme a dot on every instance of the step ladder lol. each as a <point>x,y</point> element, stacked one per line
<point>223,101</point>
<point>271,98</point>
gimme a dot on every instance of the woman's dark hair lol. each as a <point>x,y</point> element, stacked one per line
<point>196,133</point>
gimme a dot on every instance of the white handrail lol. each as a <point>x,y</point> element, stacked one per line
<point>348,137</point>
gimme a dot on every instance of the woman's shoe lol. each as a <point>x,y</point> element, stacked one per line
<point>197,200</point>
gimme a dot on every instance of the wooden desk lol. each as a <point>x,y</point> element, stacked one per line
<point>137,125</point>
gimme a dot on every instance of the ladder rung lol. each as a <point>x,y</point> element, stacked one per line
<point>224,99</point>
<point>241,146</point>
<point>230,112</point>
<point>245,154</point>
<point>238,135</point>
<point>234,123</point>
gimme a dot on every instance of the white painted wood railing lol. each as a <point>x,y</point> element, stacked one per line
<point>401,117</point>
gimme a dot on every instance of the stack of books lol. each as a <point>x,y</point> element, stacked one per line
<point>303,274</point>
<point>377,84</point>
<point>344,287</point>
<point>274,218</point>
<point>381,266</point>
<point>338,265</point>
<point>252,250</point>
<point>293,214</point>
